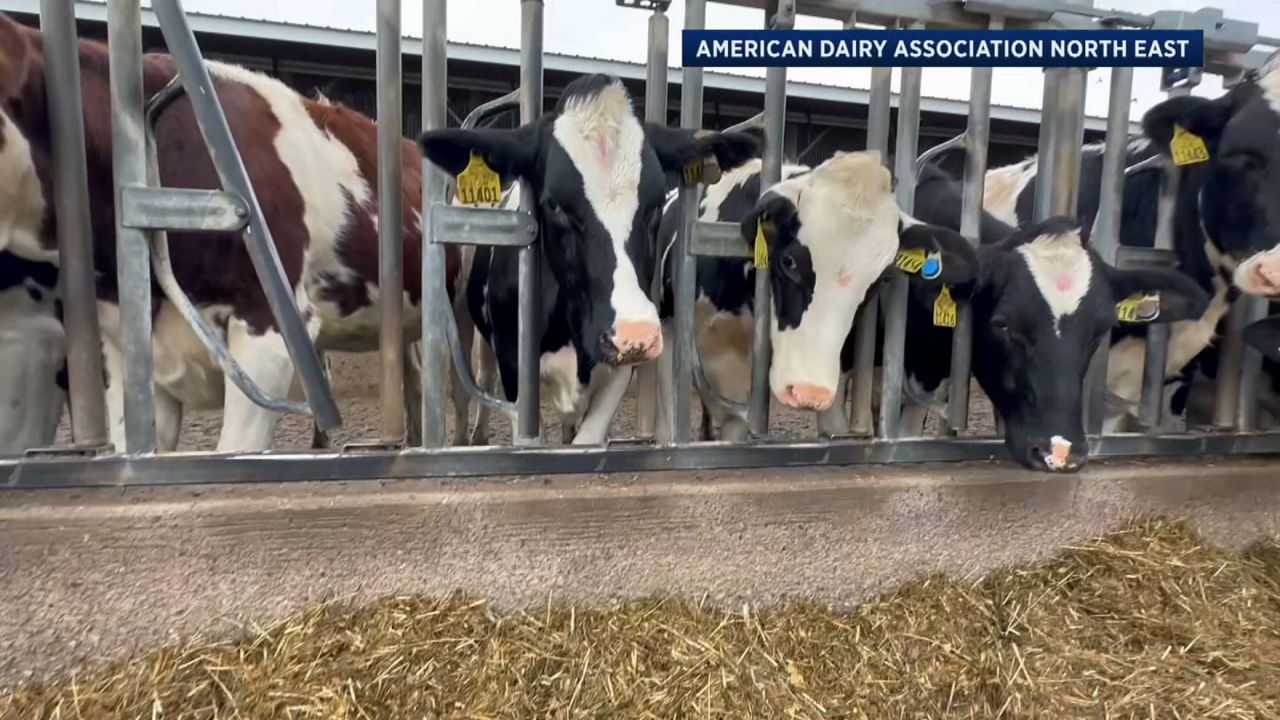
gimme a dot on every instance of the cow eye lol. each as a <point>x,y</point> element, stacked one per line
<point>789,266</point>
<point>1000,325</point>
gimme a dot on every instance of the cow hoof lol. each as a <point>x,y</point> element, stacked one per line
<point>734,430</point>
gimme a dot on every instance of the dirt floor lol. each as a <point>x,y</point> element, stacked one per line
<point>355,383</point>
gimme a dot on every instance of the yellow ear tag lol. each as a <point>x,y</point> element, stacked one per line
<point>944,309</point>
<point>1138,308</point>
<point>1187,148</point>
<point>693,172</point>
<point>762,247</point>
<point>478,184</point>
<point>910,261</point>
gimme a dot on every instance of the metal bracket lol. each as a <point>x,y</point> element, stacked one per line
<point>781,14</point>
<point>1219,32</point>
<point>69,451</point>
<point>718,239</point>
<point>655,5</point>
<point>461,225</point>
<point>959,141</point>
<point>1134,258</point>
<point>182,210</point>
<point>1179,78</point>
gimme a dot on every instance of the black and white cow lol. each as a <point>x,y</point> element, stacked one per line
<point>599,175</point>
<point>1041,299</point>
<point>33,384</point>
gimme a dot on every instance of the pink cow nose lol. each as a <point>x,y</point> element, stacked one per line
<point>637,341</point>
<point>807,396</point>
<point>1267,275</point>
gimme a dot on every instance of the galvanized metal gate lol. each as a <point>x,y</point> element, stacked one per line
<point>148,211</point>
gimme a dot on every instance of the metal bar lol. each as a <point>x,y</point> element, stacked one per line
<point>977,136</point>
<point>390,222</point>
<point>133,273</point>
<point>655,88</point>
<point>435,320</point>
<point>182,210</point>
<point>235,178</point>
<point>775,119</point>
<point>1228,386</point>
<point>718,239</point>
<point>684,265</point>
<point>867,321</point>
<point>1047,139</point>
<point>1105,236</point>
<point>959,141</point>
<point>894,301</point>
<point>75,233</point>
<point>648,387</point>
<point>528,429</point>
<point>496,106</point>
<point>454,225</point>
<point>330,466</point>
<point>1255,309</point>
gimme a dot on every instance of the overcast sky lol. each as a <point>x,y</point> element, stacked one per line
<point>598,28</point>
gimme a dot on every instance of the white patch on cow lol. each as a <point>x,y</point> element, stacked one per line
<point>33,345</point>
<point>22,203</point>
<point>246,427</point>
<point>326,173</point>
<point>559,375</point>
<point>715,195</point>
<point>1062,270</point>
<point>1269,81</point>
<point>1002,186</point>
<point>604,140</point>
<point>849,224</point>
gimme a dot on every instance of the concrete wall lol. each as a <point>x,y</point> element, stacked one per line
<point>88,574</point>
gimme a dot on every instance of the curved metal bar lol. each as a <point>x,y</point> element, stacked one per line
<point>711,396</point>
<point>1155,162</point>
<point>755,121</point>
<point>163,269</point>
<point>496,106</point>
<point>960,140</point>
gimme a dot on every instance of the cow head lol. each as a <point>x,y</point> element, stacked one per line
<point>598,177</point>
<point>1237,188</point>
<point>829,234</point>
<point>1042,302</point>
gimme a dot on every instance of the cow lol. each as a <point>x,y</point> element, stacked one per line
<point>598,176</point>
<point>312,164</point>
<point>1041,298</point>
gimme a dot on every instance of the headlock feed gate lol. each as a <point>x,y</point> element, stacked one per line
<point>874,414</point>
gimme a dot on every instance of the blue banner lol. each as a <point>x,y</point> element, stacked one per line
<point>943,48</point>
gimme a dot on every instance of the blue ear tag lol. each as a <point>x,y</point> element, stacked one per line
<point>932,267</point>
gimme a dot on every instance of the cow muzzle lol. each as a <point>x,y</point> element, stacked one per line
<point>1263,279</point>
<point>807,396</point>
<point>633,341</point>
<point>1060,456</point>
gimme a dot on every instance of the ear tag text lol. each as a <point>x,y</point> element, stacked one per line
<point>944,309</point>
<point>761,246</point>
<point>910,261</point>
<point>1187,148</point>
<point>478,184</point>
<point>1138,308</point>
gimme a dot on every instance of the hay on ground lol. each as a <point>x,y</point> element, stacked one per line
<point>1146,622</point>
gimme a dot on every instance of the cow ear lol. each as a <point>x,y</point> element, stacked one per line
<point>1264,336</point>
<point>771,211</point>
<point>15,57</point>
<point>1155,296</point>
<point>677,147</point>
<point>511,153</point>
<point>1200,116</point>
<point>932,255</point>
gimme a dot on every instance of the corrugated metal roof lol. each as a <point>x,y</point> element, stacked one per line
<point>316,34</point>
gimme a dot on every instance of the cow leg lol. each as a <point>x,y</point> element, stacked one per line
<point>319,438</point>
<point>113,368</point>
<point>835,419</point>
<point>665,371</point>
<point>245,426</point>
<point>486,380</point>
<point>412,394</point>
<point>32,353</point>
<point>168,421</point>
<point>646,399</point>
<point>603,405</point>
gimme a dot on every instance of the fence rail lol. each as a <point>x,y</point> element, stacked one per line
<point>414,444</point>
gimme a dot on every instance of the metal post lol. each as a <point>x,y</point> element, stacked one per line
<point>864,339</point>
<point>1229,389</point>
<point>390,206</point>
<point>216,132</point>
<point>975,169</point>
<point>775,116</point>
<point>528,429</point>
<point>894,301</point>
<point>1105,237</point>
<point>685,264</point>
<point>75,235</point>
<point>435,115</point>
<point>1255,309</point>
<point>655,111</point>
<point>1061,134</point>
<point>133,270</point>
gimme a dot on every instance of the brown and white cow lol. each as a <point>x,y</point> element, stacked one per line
<point>313,165</point>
